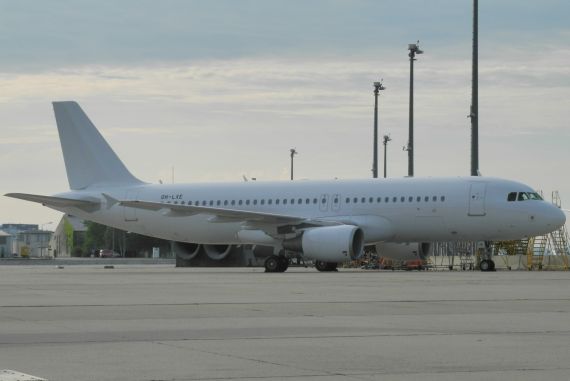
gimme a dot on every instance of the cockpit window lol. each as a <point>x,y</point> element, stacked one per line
<point>523,196</point>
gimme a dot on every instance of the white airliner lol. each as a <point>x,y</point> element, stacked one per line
<point>325,221</point>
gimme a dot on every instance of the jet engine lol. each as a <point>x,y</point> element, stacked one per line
<point>186,250</point>
<point>217,252</point>
<point>403,251</point>
<point>328,243</point>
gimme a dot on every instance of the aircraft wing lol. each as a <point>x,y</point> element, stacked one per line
<point>54,201</point>
<point>224,215</point>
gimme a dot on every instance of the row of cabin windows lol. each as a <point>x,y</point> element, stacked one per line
<point>307,201</point>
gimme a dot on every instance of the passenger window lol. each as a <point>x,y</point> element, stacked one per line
<point>189,202</point>
<point>379,199</point>
<point>355,200</point>
<point>276,201</point>
<point>226,202</point>
<point>434,198</point>
<point>270,201</point>
<point>410,199</point>
<point>402,199</point>
<point>239,202</point>
<point>336,200</point>
<point>426,198</point>
<point>300,201</point>
<point>394,199</point>
<point>418,199</point>
<point>315,201</point>
<point>292,201</point>
<point>254,202</point>
<point>233,202</point>
<point>284,201</point>
<point>387,199</point>
<point>247,202</point>
<point>262,201</point>
<point>347,200</point>
<point>442,198</point>
<point>204,203</point>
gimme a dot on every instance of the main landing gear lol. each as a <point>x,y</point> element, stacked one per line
<point>326,266</point>
<point>276,264</point>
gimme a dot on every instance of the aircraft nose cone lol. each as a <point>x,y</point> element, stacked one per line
<point>558,218</point>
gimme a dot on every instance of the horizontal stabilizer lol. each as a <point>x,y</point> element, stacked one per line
<point>55,201</point>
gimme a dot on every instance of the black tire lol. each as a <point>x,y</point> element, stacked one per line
<point>326,266</point>
<point>485,265</point>
<point>283,264</point>
<point>272,264</point>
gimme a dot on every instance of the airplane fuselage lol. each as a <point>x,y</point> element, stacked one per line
<point>388,210</point>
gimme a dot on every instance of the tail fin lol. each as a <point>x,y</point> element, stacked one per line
<point>88,157</point>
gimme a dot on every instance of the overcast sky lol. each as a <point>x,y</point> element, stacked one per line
<point>220,89</point>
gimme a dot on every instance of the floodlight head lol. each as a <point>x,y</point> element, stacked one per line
<point>377,84</point>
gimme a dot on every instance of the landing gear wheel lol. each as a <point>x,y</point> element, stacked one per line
<point>283,264</point>
<point>487,265</point>
<point>276,264</point>
<point>326,266</point>
<point>272,264</point>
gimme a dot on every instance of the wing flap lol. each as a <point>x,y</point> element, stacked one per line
<point>219,215</point>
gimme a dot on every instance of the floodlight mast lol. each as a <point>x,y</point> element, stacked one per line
<point>293,152</point>
<point>414,49</point>
<point>474,114</point>
<point>377,88</point>
<point>385,141</point>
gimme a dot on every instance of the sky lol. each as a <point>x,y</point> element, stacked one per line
<point>215,90</point>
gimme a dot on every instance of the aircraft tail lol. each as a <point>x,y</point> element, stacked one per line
<point>89,159</point>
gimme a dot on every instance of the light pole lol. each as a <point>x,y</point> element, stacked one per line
<point>474,114</point>
<point>385,141</point>
<point>414,49</point>
<point>377,88</point>
<point>293,153</point>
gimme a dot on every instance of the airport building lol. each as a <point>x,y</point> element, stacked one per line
<point>68,236</point>
<point>24,240</point>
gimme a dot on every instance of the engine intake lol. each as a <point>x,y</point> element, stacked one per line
<point>328,243</point>
<point>217,252</point>
<point>186,250</point>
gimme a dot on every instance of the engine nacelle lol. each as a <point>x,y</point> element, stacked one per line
<point>217,252</point>
<point>328,243</point>
<point>403,251</point>
<point>186,250</point>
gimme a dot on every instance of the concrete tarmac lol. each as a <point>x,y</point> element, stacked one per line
<point>157,322</point>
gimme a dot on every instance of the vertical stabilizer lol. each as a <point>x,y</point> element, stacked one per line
<point>88,157</point>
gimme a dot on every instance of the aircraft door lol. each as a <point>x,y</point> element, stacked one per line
<point>477,199</point>
<point>335,202</point>
<point>324,203</point>
<point>130,214</point>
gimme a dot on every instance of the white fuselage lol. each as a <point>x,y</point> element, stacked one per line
<point>387,210</point>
